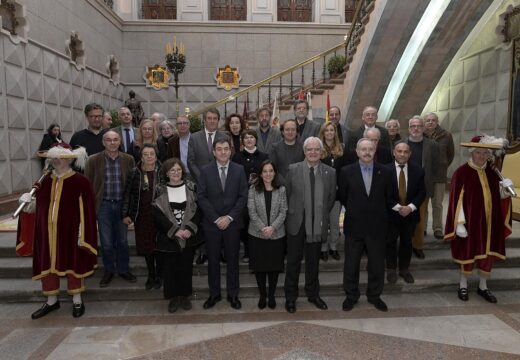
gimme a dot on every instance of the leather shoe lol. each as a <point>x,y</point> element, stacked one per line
<point>271,302</point>
<point>149,283</point>
<point>407,276</point>
<point>391,276</point>
<point>463,294</point>
<point>223,259</point>
<point>290,306</point>
<point>486,294</point>
<point>185,302</point>
<point>379,304</point>
<point>157,283</point>
<point>201,259</point>
<point>234,302</point>
<point>418,253</point>
<point>262,302</point>
<point>319,303</point>
<point>44,310</point>
<point>334,254</point>
<point>324,256</point>
<point>348,304</point>
<point>173,306</point>
<point>128,276</point>
<point>78,310</point>
<point>212,300</point>
<point>106,279</point>
<point>438,234</point>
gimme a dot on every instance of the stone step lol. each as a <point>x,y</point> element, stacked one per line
<point>21,267</point>
<point>426,281</point>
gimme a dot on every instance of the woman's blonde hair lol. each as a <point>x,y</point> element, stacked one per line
<point>336,150</point>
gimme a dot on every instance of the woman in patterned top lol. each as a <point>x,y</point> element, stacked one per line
<point>176,217</point>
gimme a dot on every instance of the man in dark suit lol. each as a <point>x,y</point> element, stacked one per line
<point>306,127</point>
<point>267,135</point>
<point>127,132</point>
<point>178,142</point>
<point>383,153</point>
<point>311,191</point>
<point>335,117</point>
<point>425,153</point>
<point>369,118</point>
<point>222,196</point>
<point>365,191</point>
<point>408,187</point>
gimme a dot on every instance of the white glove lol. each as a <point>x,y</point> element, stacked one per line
<point>25,198</point>
<point>506,183</point>
<point>461,231</point>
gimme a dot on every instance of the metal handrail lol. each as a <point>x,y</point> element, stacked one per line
<point>291,69</point>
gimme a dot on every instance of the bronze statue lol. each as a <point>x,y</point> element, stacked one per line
<point>135,108</point>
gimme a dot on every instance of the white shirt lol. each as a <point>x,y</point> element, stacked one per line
<point>398,172</point>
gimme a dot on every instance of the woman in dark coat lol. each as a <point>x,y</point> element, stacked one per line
<point>267,206</point>
<point>137,209</point>
<point>52,136</point>
<point>251,159</point>
<point>176,216</point>
<point>166,130</point>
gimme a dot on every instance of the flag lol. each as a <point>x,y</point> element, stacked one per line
<point>301,95</point>
<point>328,108</point>
<point>309,98</point>
<point>245,113</point>
<point>275,118</point>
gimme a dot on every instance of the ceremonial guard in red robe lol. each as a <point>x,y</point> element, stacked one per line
<point>479,215</point>
<point>65,238</point>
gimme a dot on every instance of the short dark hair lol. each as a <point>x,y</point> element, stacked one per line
<point>298,102</point>
<point>168,164</point>
<point>93,106</point>
<point>259,185</point>
<point>52,126</point>
<point>149,146</point>
<point>224,139</point>
<point>282,127</point>
<point>213,111</point>
<point>243,124</point>
<point>335,107</point>
<point>263,109</point>
<point>248,132</point>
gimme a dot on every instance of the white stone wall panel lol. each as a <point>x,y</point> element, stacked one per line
<point>50,64</point>
<point>51,114</point>
<point>33,58</point>
<point>34,85</point>
<point>21,175</point>
<point>35,115</point>
<point>65,93</point>
<point>16,113</point>
<point>18,144</point>
<point>13,53</point>
<point>50,90</point>
<point>15,83</point>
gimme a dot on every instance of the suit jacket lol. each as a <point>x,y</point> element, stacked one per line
<point>344,134</point>
<point>358,134</point>
<point>174,147</point>
<point>430,160</point>
<point>214,202</point>
<point>119,130</point>
<point>311,128</point>
<point>198,154</point>
<point>365,214</point>
<point>258,214</point>
<point>95,171</point>
<point>415,190</point>
<point>273,136</point>
<point>383,155</point>
<point>296,196</point>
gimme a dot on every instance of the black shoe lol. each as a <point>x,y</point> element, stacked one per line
<point>44,310</point>
<point>438,234</point>
<point>379,304</point>
<point>173,305</point>
<point>319,303</point>
<point>486,294</point>
<point>324,256</point>
<point>245,259</point>
<point>391,276</point>
<point>78,310</point>
<point>201,259</point>
<point>271,302</point>
<point>157,283</point>
<point>348,304</point>
<point>335,254</point>
<point>128,276</point>
<point>262,302</point>
<point>418,253</point>
<point>407,276</point>
<point>106,279</point>
<point>223,259</point>
<point>212,300</point>
<point>290,306</point>
<point>185,302</point>
<point>149,283</point>
<point>234,302</point>
<point>463,294</point>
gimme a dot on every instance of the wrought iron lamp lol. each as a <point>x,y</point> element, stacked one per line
<point>175,62</point>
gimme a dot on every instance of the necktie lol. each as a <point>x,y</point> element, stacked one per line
<point>402,186</point>
<point>127,140</point>
<point>313,185</point>
<point>223,177</point>
<point>210,143</point>
<point>367,179</point>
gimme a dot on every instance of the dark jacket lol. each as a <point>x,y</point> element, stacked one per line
<point>250,161</point>
<point>162,147</point>
<point>132,194</point>
<point>444,140</point>
<point>167,225</point>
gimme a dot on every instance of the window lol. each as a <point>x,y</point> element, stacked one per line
<point>160,9</point>
<point>295,10</point>
<point>228,10</point>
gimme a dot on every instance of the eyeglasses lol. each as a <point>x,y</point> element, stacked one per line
<point>313,149</point>
<point>183,123</point>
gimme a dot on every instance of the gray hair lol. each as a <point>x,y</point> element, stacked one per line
<point>373,130</point>
<point>161,116</point>
<point>311,138</point>
<point>416,117</point>
<point>165,122</point>
<point>396,121</point>
<point>364,139</point>
<point>432,114</point>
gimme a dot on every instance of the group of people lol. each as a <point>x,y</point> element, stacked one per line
<point>279,191</point>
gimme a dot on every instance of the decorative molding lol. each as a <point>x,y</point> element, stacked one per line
<point>16,21</point>
<point>227,77</point>
<point>112,67</point>
<point>157,77</point>
<point>509,23</point>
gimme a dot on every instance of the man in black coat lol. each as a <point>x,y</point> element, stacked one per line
<point>369,118</point>
<point>408,187</point>
<point>365,191</point>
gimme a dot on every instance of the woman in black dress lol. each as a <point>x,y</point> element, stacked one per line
<point>137,209</point>
<point>267,205</point>
<point>52,136</point>
<point>176,216</point>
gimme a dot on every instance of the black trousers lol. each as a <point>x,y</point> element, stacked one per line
<point>403,230</point>
<point>177,272</point>
<point>375,249</point>
<point>229,239</point>
<point>296,247</point>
